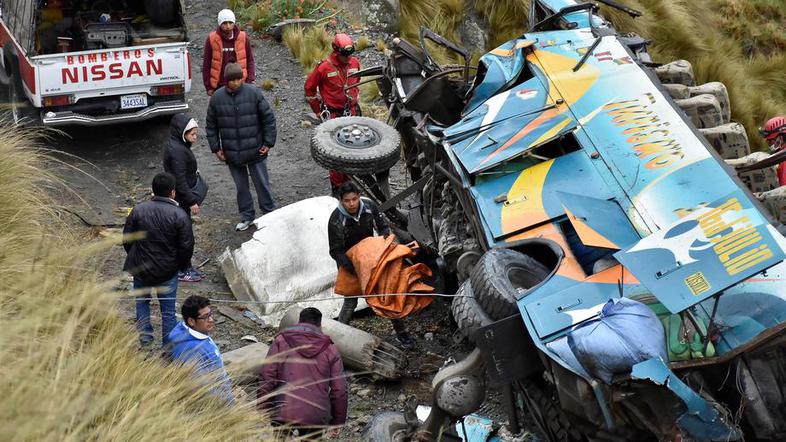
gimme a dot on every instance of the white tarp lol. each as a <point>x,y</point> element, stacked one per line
<point>286,260</point>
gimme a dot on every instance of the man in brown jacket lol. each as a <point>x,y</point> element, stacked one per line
<point>304,385</point>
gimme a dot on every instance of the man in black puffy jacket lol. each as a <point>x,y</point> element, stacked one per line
<point>159,241</point>
<point>241,130</point>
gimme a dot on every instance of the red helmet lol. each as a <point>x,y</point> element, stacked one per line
<point>773,127</point>
<point>343,44</point>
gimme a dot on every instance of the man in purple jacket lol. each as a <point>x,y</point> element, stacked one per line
<point>303,385</point>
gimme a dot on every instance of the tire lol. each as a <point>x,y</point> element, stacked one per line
<point>499,275</point>
<point>377,151</point>
<point>543,406</point>
<point>14,101</point>
<point>387,426</point>
<point>467,313</point>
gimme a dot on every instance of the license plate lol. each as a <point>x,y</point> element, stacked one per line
<point>133,101</point>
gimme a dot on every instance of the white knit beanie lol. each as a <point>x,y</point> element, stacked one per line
<point>226,15</point>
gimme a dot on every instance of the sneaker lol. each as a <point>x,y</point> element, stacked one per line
<point>192,275</point>
<point>243,225</point>
<point>405,340</point>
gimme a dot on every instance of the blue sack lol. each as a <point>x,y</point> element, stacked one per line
<point>626,332</point>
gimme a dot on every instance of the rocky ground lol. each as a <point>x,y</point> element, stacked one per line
<point>112,169</point>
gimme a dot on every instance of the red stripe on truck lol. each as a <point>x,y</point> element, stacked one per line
<point>26,70</point>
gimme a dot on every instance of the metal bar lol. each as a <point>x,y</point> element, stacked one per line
<point>712,321</point>
<point>449,176</point>
<point>392,202</point>
<point>587,54</point>
<point>510,403</point>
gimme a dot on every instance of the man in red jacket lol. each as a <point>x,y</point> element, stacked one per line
<point>774,132</point>
<point>327,89</point>
<point>227,44</point>
<point>304,385</point>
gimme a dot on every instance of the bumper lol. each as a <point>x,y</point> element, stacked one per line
<point>64,118</point>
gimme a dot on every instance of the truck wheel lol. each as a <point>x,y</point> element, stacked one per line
<point>14,101</point>
<point>467,313</point>
<point>544,409</point>
<point>355,145</point>
<point>386,427</point>
<point>161,12</point>
<point>499,277</point>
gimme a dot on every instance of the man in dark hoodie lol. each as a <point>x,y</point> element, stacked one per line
<point>180,161</point>
<point>304,385</point>
<point>158,240</point>
<point>227,44</point>
<point>241,130</point>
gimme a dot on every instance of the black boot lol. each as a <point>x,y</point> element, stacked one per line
<point>345,315</point>
<point>402,335</point>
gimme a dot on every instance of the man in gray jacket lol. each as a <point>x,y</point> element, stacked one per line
<point>241,130</point>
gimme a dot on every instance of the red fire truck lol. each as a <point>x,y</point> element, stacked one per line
<point>93,62</point>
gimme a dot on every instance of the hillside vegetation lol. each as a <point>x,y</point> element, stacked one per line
<point>738,42</point>
<point>69,365</point>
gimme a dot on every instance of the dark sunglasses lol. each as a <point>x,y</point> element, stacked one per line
<point>347,50</point>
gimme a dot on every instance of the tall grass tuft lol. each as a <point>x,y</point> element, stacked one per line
<point>507,18</point>
<point>69,367</point>
<point>309,45</point>
<point>441,16</point>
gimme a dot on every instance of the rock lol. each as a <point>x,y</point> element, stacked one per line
<point>249,338</point>
<point>472,32</point>
<point>244,363</point>
<point>429,336</point>
<point>402,398</point>
<point>306,124</point>
<point>381,14</point>
<point>366,392</point>
<point>230,313</point>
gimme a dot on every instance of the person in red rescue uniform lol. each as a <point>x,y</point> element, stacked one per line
<point>327,89</point>
<point>227,44</point>
<point>774,132</point>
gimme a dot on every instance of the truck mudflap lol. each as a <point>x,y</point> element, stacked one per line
<point>701,421</point>
<point>64,118</point>
<point>707,251</point>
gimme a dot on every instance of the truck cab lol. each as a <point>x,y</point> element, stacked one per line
<point>93,62</point>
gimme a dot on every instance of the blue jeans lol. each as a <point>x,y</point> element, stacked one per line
<point>245,202</point>
<point>168,290</point>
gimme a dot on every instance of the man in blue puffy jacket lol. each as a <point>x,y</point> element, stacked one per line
<point>191,343</point>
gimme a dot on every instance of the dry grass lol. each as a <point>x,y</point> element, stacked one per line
<point>362,43</point>
<point>268,84</point>
<point>309,45</point>
<point>441,16</point>
<point>69,365</point>
<point>507,18</point>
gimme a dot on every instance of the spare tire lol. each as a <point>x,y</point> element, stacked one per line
<point>467,313</point>
<point>355,145</point>
<point>388,426</point>
<point>498,278</point>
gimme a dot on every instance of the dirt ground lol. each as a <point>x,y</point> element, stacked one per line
<point>113,167</point>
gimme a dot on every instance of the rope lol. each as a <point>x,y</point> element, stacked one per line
<point>330,298</point>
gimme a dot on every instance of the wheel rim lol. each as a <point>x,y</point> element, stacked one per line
<point>357,136</point>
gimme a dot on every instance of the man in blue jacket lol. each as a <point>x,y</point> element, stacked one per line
<point>241,130</point>
<point>191,343</point>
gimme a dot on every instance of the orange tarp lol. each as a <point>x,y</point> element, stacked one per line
<point>380,268</point>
